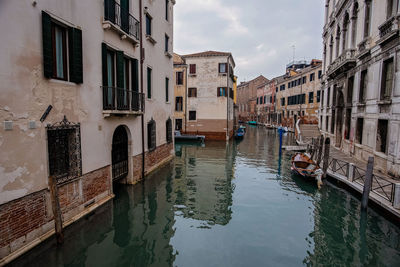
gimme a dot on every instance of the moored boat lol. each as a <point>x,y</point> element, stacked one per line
<point>239,134</point>
<point>304,166</point>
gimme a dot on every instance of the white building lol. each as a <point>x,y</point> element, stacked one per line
<point>360,107</point>
<point>79,107</point>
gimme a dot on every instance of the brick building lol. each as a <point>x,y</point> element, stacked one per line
<point>72,108</point>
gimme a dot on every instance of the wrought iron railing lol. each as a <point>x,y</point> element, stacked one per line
<point>121,17</point>
<point>121,99</point>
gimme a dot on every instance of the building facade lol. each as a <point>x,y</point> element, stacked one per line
<point>86,100</point>
<point>360,105</point>
<point>180,89</point>
<point>210,94</point>
<point>247,98</point>
<point>298,94</point>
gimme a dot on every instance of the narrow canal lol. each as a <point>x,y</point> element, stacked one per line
<point>226,205</point>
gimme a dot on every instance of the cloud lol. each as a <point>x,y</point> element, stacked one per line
<point>259,33</point>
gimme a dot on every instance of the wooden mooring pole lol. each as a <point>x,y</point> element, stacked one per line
<point>367,183</point>
<point>56,210</point>
<point>326,156</point>
<point>320,147</point>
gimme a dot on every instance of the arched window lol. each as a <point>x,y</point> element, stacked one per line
<point>337,41</point>
<point>354,25</point>
<point>367,18</point>
<point>168,127</point>
<point>345,31</point>
<point>151,135</point>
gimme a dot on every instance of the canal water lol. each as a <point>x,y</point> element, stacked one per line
<point>233,204</point>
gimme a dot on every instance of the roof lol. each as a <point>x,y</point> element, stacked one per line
<point>209,54</point>
<point>178,60</point>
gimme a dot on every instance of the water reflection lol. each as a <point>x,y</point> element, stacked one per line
<point>221,204</point>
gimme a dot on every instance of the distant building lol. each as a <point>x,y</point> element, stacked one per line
<point>247,98</point>
<point>298,93</point>
<point>210,94</point>
<point>180,89</point>
<point>360,104</point>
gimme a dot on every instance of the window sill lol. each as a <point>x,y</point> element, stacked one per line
<point>167,54</point>
<point>384,102</point>
<point>150,39</point>
<point>222,74</point>
<point>62,81</point>
<point>192,74</point>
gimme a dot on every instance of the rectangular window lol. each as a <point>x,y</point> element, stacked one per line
<point>363,86</point>
<point>151,135</point>
<point>367,18</point>
<point>192,92</point>
<point>257,100</point>
<point>148,24</point>
<point>359,130</point>
<point>318,96</point>
<point>326,123</point>
<point>329,97</point>
<point>166,43</point>
<point>289,85</point>
<point>312,77</point>
<point>304,79</point>
<point>319,74</point>
<point>222,67</point>
<point>347,124</point>
<point>276,89</point>
<point>282,102</point>
<point>168,130</point>
<point>178,103</point>
<point>311,97</point>
<point>59,52</point>
<point>149,70</point>
<point>333,121</point>
<point>192,115</point>
<point>387,79</point>
<point>179,78</point>
<point>221,91</point>
<point>192,69</point>
<point>381,138</point>
<point>265,99</point>
<point>166,9</point>
<point>178,124</point>
<point>166,89</point>
<point>350,88</point>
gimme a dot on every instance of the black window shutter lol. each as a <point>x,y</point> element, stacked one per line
<point>104,62</point>
<point>47,45</point>
<point>75,55</point>
<point>120,69</point>
<point>135,75</point>
<point>109,10</point>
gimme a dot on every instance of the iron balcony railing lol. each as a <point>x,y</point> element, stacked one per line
<point>121,17</point>
<point>120,99</point>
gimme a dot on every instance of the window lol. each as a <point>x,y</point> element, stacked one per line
<point>390,8</point>
<point>311,97</point>
<point>387,79</point>
<point>179,78</point>
<point>381,138</point>
<point>363,86</point>
<point>166,89</point>
<point>222,67</point>
<point>148,24</point>
<point>347,124</point>
<point>359,130</point>
<point>322,98</point>
<point>265,99</point>
<point>221,91</point>
<point>192,92</point>
<point>304,79</point>
<point>276,89</point>
<point>312,77</point>
<point>333,121</point>
<point>192,115</point>
<point>318,96</point>
<point>329,97</point>
<point>282,101</point>
<point>257,100</point>
<point>166,9</point>
<point>282,87</point>
<point>319,74</point>
<point>354,25</point>
<point>326,123</point>
<point>192,69</point>
<point>289,85</point>
<point>350,88</point>
<point>178,103</point>
<point>367,18</point>
<point>178,124</point>
<point>166,43</point>
<point>168,128</point>
<point>149,70</point>
<point>58,54</point>
<point>151,135</point>
<point>64,151</point>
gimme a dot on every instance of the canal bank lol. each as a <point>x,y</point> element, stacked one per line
<point>226,205</point>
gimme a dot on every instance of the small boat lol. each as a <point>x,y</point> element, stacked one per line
<point>189,137</point>
<point>252,122</point>
<point>239,134</point>
<point>304,166</point>
<point>269,126</point>
<point>242,127</point>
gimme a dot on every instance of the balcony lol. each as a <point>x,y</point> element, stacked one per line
<point>121,21</point>
<point>388,30</point>
<point>120,101</point>
<point>363,47</point>
<point>345,62</point>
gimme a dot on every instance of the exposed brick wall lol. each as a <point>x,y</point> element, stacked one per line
<point>21,216</point>
<point>151,159</point>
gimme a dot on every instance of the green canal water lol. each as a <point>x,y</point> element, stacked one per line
<point>226,205</point>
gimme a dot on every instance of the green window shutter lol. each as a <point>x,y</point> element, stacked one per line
<point>47,45</point>
<point>153,135</point>
<point>148,83</point>
<point>135,75</point>
<point>104,62</point>
<point>109,10</point>
<point>75,55</point>
<point>120,69</point>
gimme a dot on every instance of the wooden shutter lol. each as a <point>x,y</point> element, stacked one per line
<point>125,15</point>
<point>120,69</point>
<point>135,75</point>
<point>149,83</point>
<point>75,55</point>
<point>47,45</point>
<point>104,63</point>
<point>109,10</point>
<point>151,128</point>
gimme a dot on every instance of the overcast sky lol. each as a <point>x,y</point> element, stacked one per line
<point>259,33</point>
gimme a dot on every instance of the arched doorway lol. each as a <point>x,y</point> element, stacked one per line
<point>119,154</point>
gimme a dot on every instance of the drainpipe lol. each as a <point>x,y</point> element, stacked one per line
<point>141,81</point>
<point>227,101</point>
